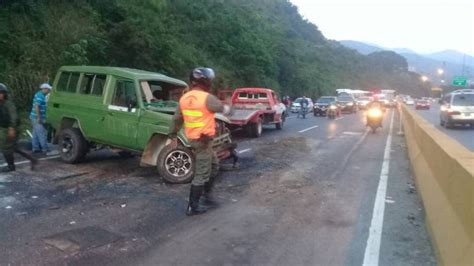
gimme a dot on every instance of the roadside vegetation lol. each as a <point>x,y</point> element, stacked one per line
<point>249,43</point>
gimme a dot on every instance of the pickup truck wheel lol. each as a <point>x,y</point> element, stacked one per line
<point>256,129</point>
<point>279,126</point>
<point>176,166</point>
<point>72,145</point>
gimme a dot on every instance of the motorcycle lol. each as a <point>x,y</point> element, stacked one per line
<point>332,111</point>
<point>374,118</point>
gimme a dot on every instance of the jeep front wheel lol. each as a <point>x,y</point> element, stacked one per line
<point>72,145</point>
<point>176,166</point>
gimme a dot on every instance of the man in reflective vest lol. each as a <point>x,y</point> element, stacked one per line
<point>196,110</point>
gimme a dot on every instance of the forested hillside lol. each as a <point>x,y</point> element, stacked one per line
<point>248,42</point>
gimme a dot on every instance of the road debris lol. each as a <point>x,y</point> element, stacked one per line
<point>82,239</point>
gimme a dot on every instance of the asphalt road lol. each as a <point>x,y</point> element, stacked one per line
<point>318,192</point>
<point>462,134</point>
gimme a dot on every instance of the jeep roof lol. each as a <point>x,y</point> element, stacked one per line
<point>124,72</point>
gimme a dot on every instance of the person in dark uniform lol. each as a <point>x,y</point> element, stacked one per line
<point>9,123</point>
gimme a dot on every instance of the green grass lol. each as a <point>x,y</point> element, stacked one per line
<point>25,124</point>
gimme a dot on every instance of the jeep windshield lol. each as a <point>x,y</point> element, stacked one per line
<point>161,96</point>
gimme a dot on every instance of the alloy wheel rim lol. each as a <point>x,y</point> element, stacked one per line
<point>178,163</point>
<point>67,146</point>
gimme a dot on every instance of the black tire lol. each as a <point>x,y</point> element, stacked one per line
<point>448,125</point>
<point>374,129</point>
<point>441,122</point>
<point>255,129</point>
<point>168,169</point>
<point>73,147</point>
<point>279,126</point>
<point>315,114</point>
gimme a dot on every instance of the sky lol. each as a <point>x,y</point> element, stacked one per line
<point>420,25</point>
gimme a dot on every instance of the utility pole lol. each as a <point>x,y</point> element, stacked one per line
<point>464,65</point>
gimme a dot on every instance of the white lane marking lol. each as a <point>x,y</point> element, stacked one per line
<point>342,117</point>
<point>309,128</point>
<point>243,151</point>
<point>351,133</point>
<point>372,250</point>
<point>42,159</point>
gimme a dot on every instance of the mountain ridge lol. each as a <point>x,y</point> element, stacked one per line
<point>453,62</point>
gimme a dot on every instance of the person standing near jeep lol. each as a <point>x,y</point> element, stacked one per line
<point>38,118</point>
<point>9,123</point>
<point>196,111</point>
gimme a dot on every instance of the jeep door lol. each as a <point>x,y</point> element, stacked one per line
<point>121,121</point>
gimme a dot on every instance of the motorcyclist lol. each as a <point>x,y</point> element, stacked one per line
<point>375,104</point>
<point>304,104</point>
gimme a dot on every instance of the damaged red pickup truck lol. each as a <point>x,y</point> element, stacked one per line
<point>254,107</point>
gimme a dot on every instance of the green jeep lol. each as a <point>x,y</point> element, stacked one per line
<point>128,110</point>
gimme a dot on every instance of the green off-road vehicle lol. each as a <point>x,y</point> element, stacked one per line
<point>127,110</point>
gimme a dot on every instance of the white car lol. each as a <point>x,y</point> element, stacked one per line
<point>410,101</point>
<point>296,106</point>
<point>457,108</point>
<point>363,101</point>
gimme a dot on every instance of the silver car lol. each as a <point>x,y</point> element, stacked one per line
<point>296,106</point>
<point>457,108</point>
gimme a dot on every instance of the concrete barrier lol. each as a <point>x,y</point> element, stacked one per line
<point>444,172</point>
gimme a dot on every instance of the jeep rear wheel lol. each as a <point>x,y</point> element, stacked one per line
<point>72,145</point>
<point>176,166</point>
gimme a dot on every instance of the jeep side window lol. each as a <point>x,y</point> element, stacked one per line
<point>68,81</point>
<point>98,85</point>
<point>125,94</point>
<point>93,84</point>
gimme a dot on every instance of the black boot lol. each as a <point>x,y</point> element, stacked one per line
<point>194,196</point>
<point>207,199</point>
<point>10,162</point>
<point>32,160</point>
